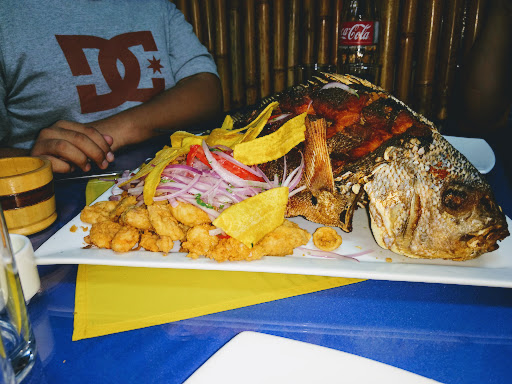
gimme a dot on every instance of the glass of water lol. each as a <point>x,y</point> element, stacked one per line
<point>18,339</point>
<point>6,372</point>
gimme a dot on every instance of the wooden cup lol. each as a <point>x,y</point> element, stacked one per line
<point>26,194</point>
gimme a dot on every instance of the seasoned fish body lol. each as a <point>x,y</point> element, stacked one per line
<point>364,147</point>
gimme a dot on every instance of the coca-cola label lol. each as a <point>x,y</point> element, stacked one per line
<point>357,33</point>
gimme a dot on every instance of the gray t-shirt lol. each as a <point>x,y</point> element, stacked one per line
<point>84,60</point>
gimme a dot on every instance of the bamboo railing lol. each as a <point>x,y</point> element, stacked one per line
<point>263,46</point>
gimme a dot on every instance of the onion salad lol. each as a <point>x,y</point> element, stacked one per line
<point>211,185</point>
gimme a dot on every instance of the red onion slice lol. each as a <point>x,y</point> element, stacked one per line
<point>226,175</point>
<point>345,87</point>
<point>279,117</point>
<point>332,255</point>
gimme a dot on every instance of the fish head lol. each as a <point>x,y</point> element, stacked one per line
<point>429,201</point>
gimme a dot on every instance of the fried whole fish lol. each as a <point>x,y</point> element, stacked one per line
<point>365,147</point>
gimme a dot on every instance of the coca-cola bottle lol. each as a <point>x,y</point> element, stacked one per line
<point>358,40</point>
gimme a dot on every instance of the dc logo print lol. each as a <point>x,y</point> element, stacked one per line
<point>110,51</point>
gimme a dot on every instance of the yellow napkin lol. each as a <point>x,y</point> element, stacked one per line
<point>112,299</point>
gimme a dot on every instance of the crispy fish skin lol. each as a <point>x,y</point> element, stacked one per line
<point>425,199</point>
<point>432,203</point>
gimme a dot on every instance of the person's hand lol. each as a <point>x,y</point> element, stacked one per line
<point>68,144</point>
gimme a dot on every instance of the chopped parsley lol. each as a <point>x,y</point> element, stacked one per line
<point>201,202</point>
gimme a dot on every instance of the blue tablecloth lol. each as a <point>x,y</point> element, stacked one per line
<point>449,333</point>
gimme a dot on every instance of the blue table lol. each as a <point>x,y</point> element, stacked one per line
<point>450,333</point>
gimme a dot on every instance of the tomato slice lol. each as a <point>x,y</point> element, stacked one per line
<point>197,152</point>
<point>236,170</point>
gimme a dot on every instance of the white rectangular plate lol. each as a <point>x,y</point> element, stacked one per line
<point>491,269</point>
<point>477,151</point>
<point>252,357</point>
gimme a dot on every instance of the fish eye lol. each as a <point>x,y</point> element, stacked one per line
<point>454,198</point>
<point>457,198</point>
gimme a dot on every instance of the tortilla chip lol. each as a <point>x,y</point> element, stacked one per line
<point>154,176</point>
<point>256,126</point>
<point>228,123</point>
<point>221,136</point>
<point>178,136</point>
<point>273,146</point>
<point>251,219</point>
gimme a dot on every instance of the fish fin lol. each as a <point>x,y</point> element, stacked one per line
<point>318,170</point>
<point>348,213</point>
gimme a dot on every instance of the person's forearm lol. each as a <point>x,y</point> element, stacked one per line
<point>194,100</point>
<point>487,75</point>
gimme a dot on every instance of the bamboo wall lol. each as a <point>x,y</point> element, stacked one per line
<point>264,46</point>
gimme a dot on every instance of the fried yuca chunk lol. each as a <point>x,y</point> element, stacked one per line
<point>280,242</point>
<point>137,217</point>
<point>189,215</point>
<point>125,239</point>
<point>164,222</point>
<point>234,250</point>
<point>102,233</point>
<point>199,241</point>
<point>150,241</point>
<point>97,212</point>
<point>124,204</point>
<point>284,239</point>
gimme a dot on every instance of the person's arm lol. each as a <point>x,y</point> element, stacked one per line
<point>486,79</point>
<point>193,101</point>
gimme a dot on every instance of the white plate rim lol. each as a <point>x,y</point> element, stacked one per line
<point>255,357</point>
<point>493,269</point>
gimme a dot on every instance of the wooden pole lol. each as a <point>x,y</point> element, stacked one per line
<point>407,41</point>
<point>249,26</point>
<point>221,50</point>
<point>323,33</point>
<point>209,26</point>
<point>195,19</point>
<point>182,6</point>
<point>475,16</point>
<point>279,48</point>
<point>388,35</point>
<point>263,33</point>
<point>235,54</point>
<point>293,41</point>
<point>428,41</point>
<point>336,22</point>
<point>308,38</point>
<point>447,64</point>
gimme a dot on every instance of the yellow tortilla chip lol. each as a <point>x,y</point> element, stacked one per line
<point>181,142</point>
<point>161,156</point>
<point>250,220</point>
<point>256,126</point>
<point>178,137</point>
<point>154,176</point>
<point>154,169</point>
<point>273,146</point>
<point>228,123</point>
<point>221,136</point>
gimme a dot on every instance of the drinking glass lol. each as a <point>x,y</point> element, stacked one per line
<point>6,372</point>
<point>18,339</point>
